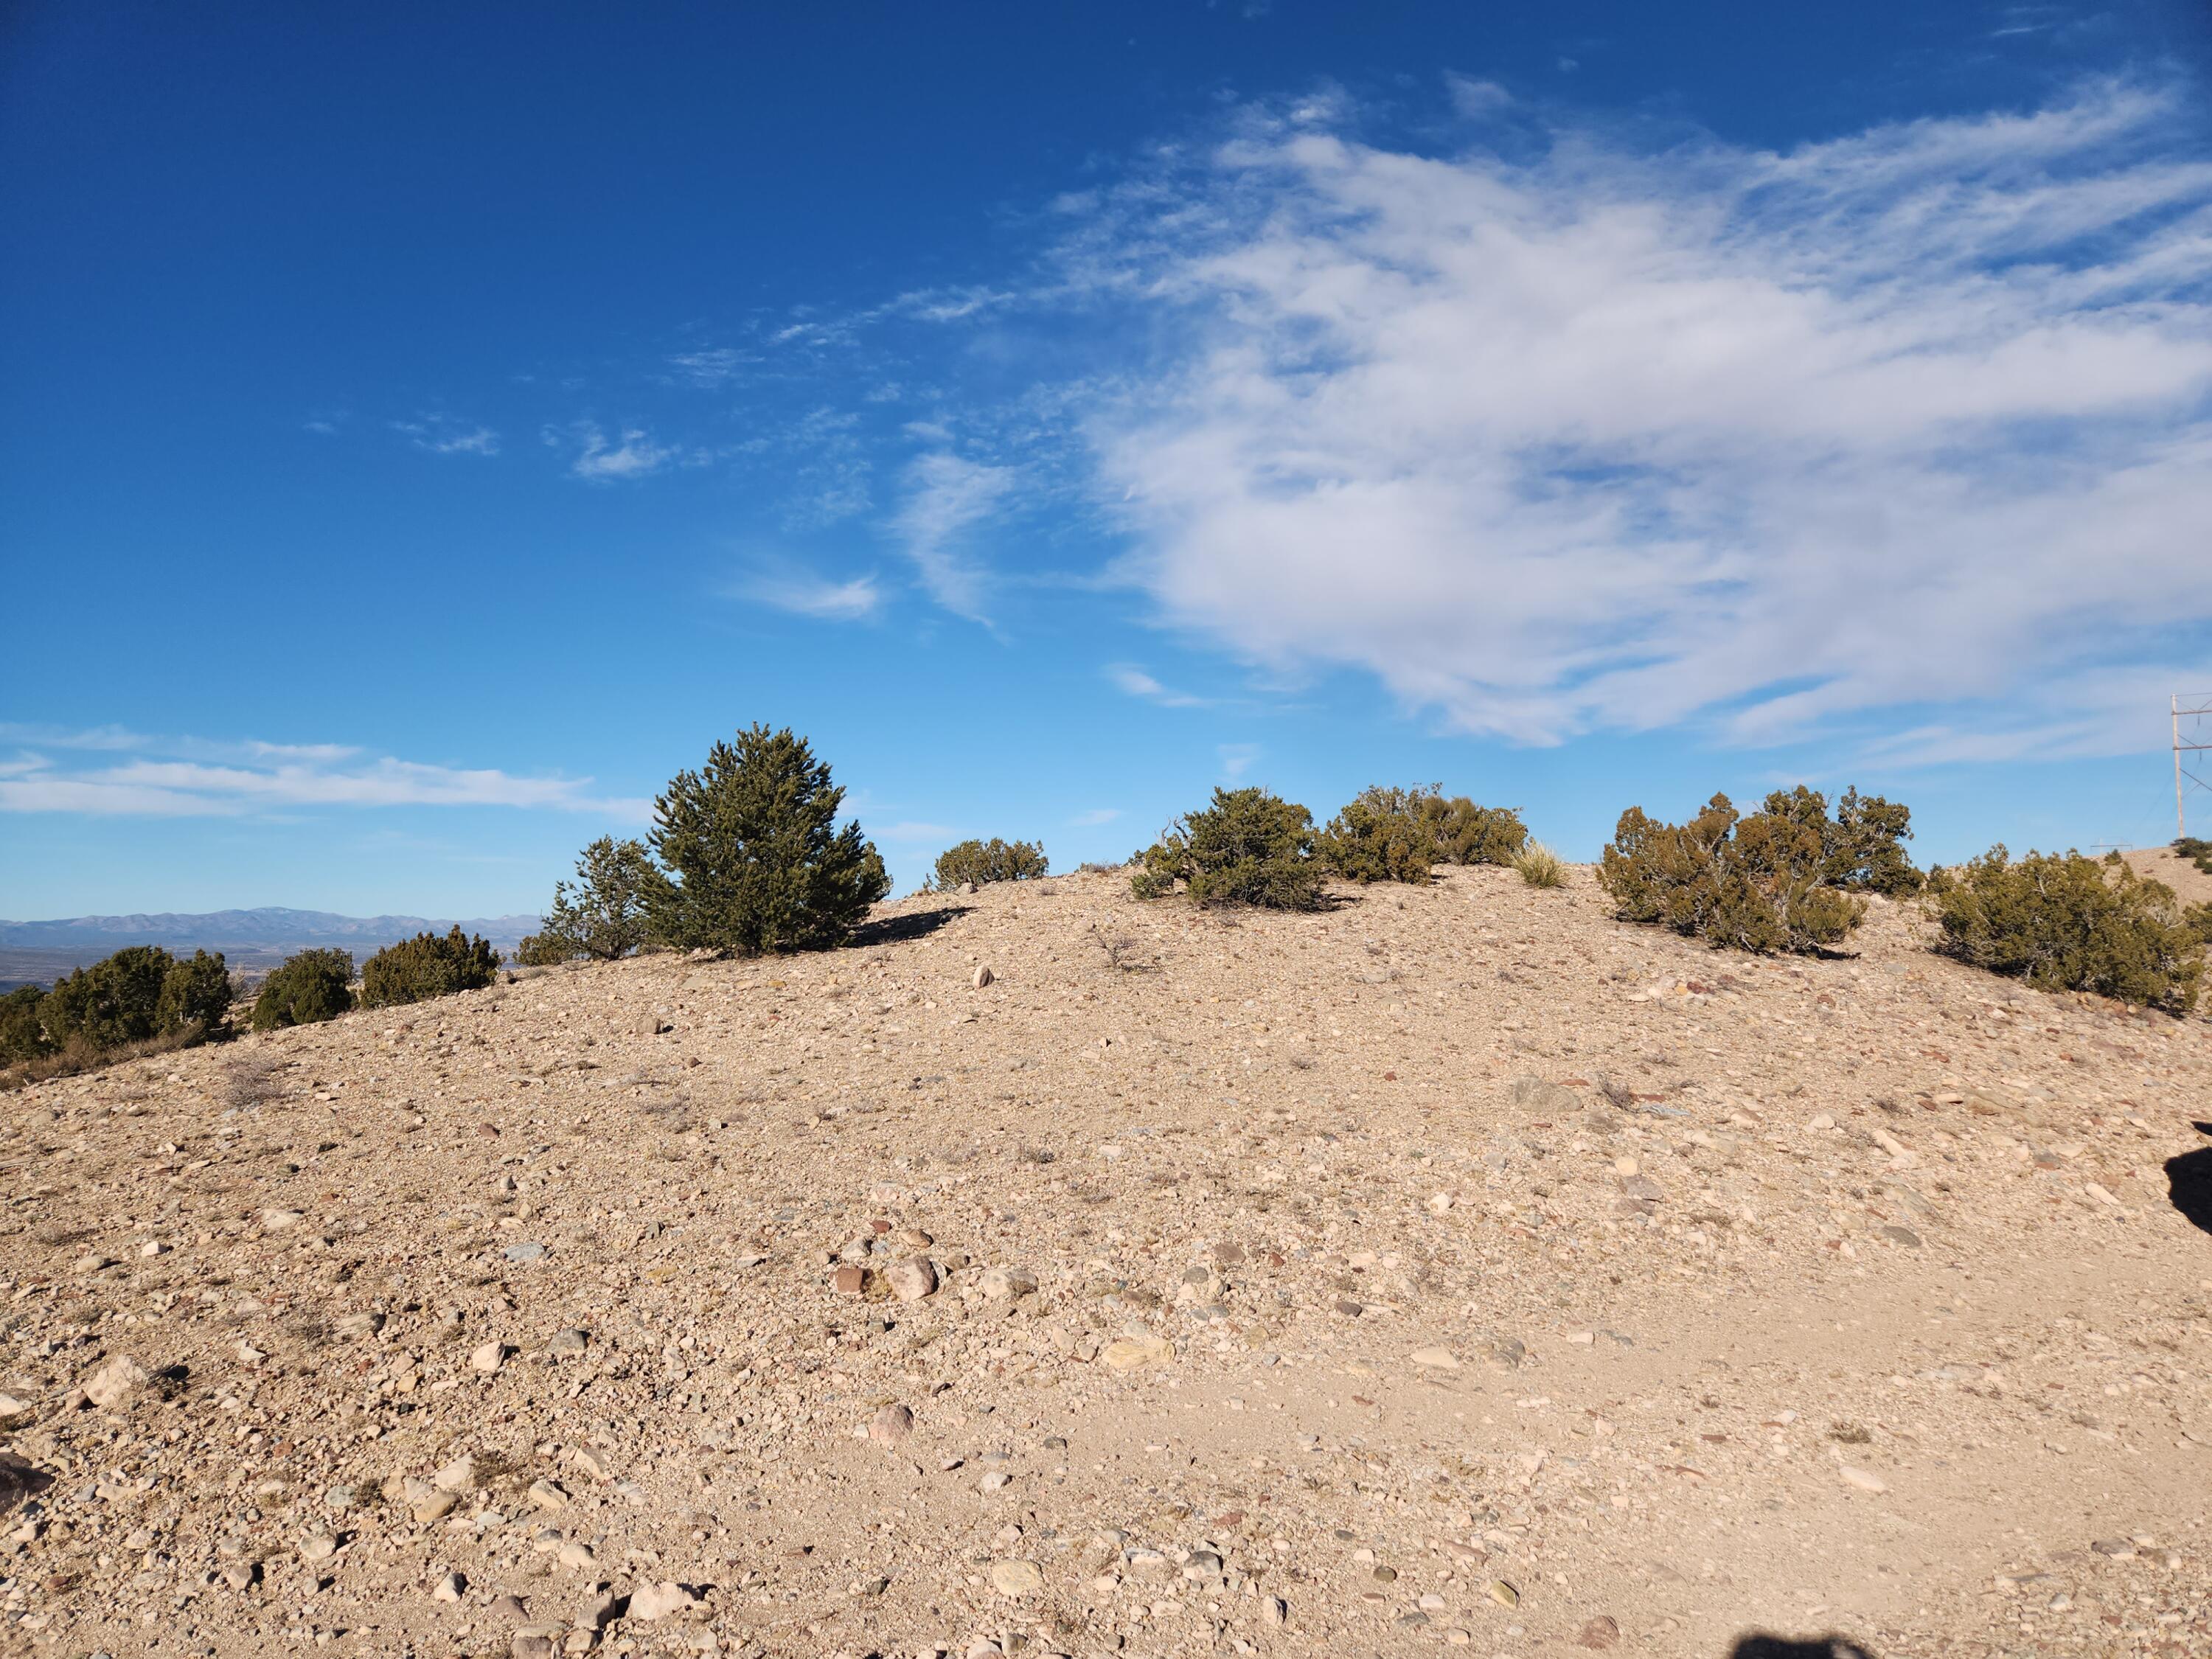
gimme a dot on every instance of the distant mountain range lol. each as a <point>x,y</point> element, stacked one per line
<point>40,951</point>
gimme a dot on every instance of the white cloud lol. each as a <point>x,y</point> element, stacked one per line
<point>1238,759</point>
<point>173,778</point>
<point>601,460</point>
<point>1094,817</point>
<point>807,596</point>
<point>441,435</point>
<point>947,495</point>
<point>1604,439</point>
<point>1131,679</point>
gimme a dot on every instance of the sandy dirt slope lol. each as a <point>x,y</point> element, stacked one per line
<point>1458,1269</point>
<point>2189,884</point>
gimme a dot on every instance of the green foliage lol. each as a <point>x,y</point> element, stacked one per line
<point>1250,846</point>
<point>754,858</point>
<point>545,950</point>
<point>1756,884</point>
<point>1467,834</point>
<point>426,966</point>
<point>2198,853</point>
<point>604,915</point>
<point>1863,846</point>
<point>2066,922</point>
<point>984,861</point>
<point>1539,866</point>
<point>22,1034</point>
<point>1393,833</point>
<point>1383,833</point>
<point>310,986</point>
<point>194,995</point>
<point>114,1001</point>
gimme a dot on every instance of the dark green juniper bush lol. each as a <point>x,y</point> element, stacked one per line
<point>309,987</point>
<point>1754,883</point>
<point>426,966</point>
<point>1250,846</point>
<point>752,858</point>
<point>2065,922</point>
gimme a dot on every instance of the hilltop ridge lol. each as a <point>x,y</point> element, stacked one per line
<point>1456,1267</point>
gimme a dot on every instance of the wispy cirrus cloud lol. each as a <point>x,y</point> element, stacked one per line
<point>598,458</point>
<point>1582,435</point>
<point>1133,681</point>
<point>947,496</point>
<point>195,777</point>
<point>810,596</point>
<point>1094,817</point>
<point>443,435</point>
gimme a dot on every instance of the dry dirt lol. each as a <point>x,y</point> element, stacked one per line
<point>1460,1268</point>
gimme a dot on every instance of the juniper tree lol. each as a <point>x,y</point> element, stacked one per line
<point>752,857</point>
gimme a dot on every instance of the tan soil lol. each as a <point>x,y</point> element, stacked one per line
<point>2190,886</point>
<point>1859,1306</point>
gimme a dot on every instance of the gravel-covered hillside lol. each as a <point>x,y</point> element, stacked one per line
<point>1459,1268</point>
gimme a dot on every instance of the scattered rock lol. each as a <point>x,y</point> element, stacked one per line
<point>892,1424</point>
<point>651,1603</point>
<point>1016,1577</point>
<point>488,1357</point>
<point>451,1588</point>
<point>981,976</point>
<point>1130,1353</point>
<point>1601,1633</point>
<point>1006,1284</point>
<point>912,1279</point>
<point>112,1385</point>
<point>1435,1359</point>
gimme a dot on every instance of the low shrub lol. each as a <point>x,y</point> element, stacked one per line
<point>1755,884</point>
<point>754,857</point>
<point>1250,846</point>
<point>1382,834</point>
<point>546,950</point>
<point>2065,922</point>
<point>1539,866</point>
<point>113,1001</point>
<point>1861,846</point>
<point>986,861</point>
<point>306,988</point>
<point>2198,853</point>
<point>1467,834</point>
<point>426,966</point>
<point>196,995</point>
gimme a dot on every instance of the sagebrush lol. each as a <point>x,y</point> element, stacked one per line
<point>1250,846</point>
<point>2065,922</point>
<point>1539,866</point>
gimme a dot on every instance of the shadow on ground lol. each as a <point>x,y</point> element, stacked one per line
<point>896,930</point>
<point>2189,1185</point>
<point>1759,1646</point>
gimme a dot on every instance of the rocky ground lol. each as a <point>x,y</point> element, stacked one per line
<point>1459,1268</point>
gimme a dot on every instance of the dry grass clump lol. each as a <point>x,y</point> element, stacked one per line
<point>1539,866</point>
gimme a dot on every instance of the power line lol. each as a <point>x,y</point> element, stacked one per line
<point>2195,707</point>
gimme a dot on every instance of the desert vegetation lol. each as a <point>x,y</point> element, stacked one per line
<point>306,988</point>
<point>752,859</point>
<point>604,915</point>
<point>1389,833</point>
<point>1250,846</point>
<point>141,1000</point>
<point>2198,852</point>
<point>429,965</point>
<point>982,862</point>
<point>2065,922</point>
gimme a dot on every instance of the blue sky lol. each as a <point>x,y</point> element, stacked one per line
<point>425,428</point>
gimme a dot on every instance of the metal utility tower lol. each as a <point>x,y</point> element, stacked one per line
<point>2195,707</point>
